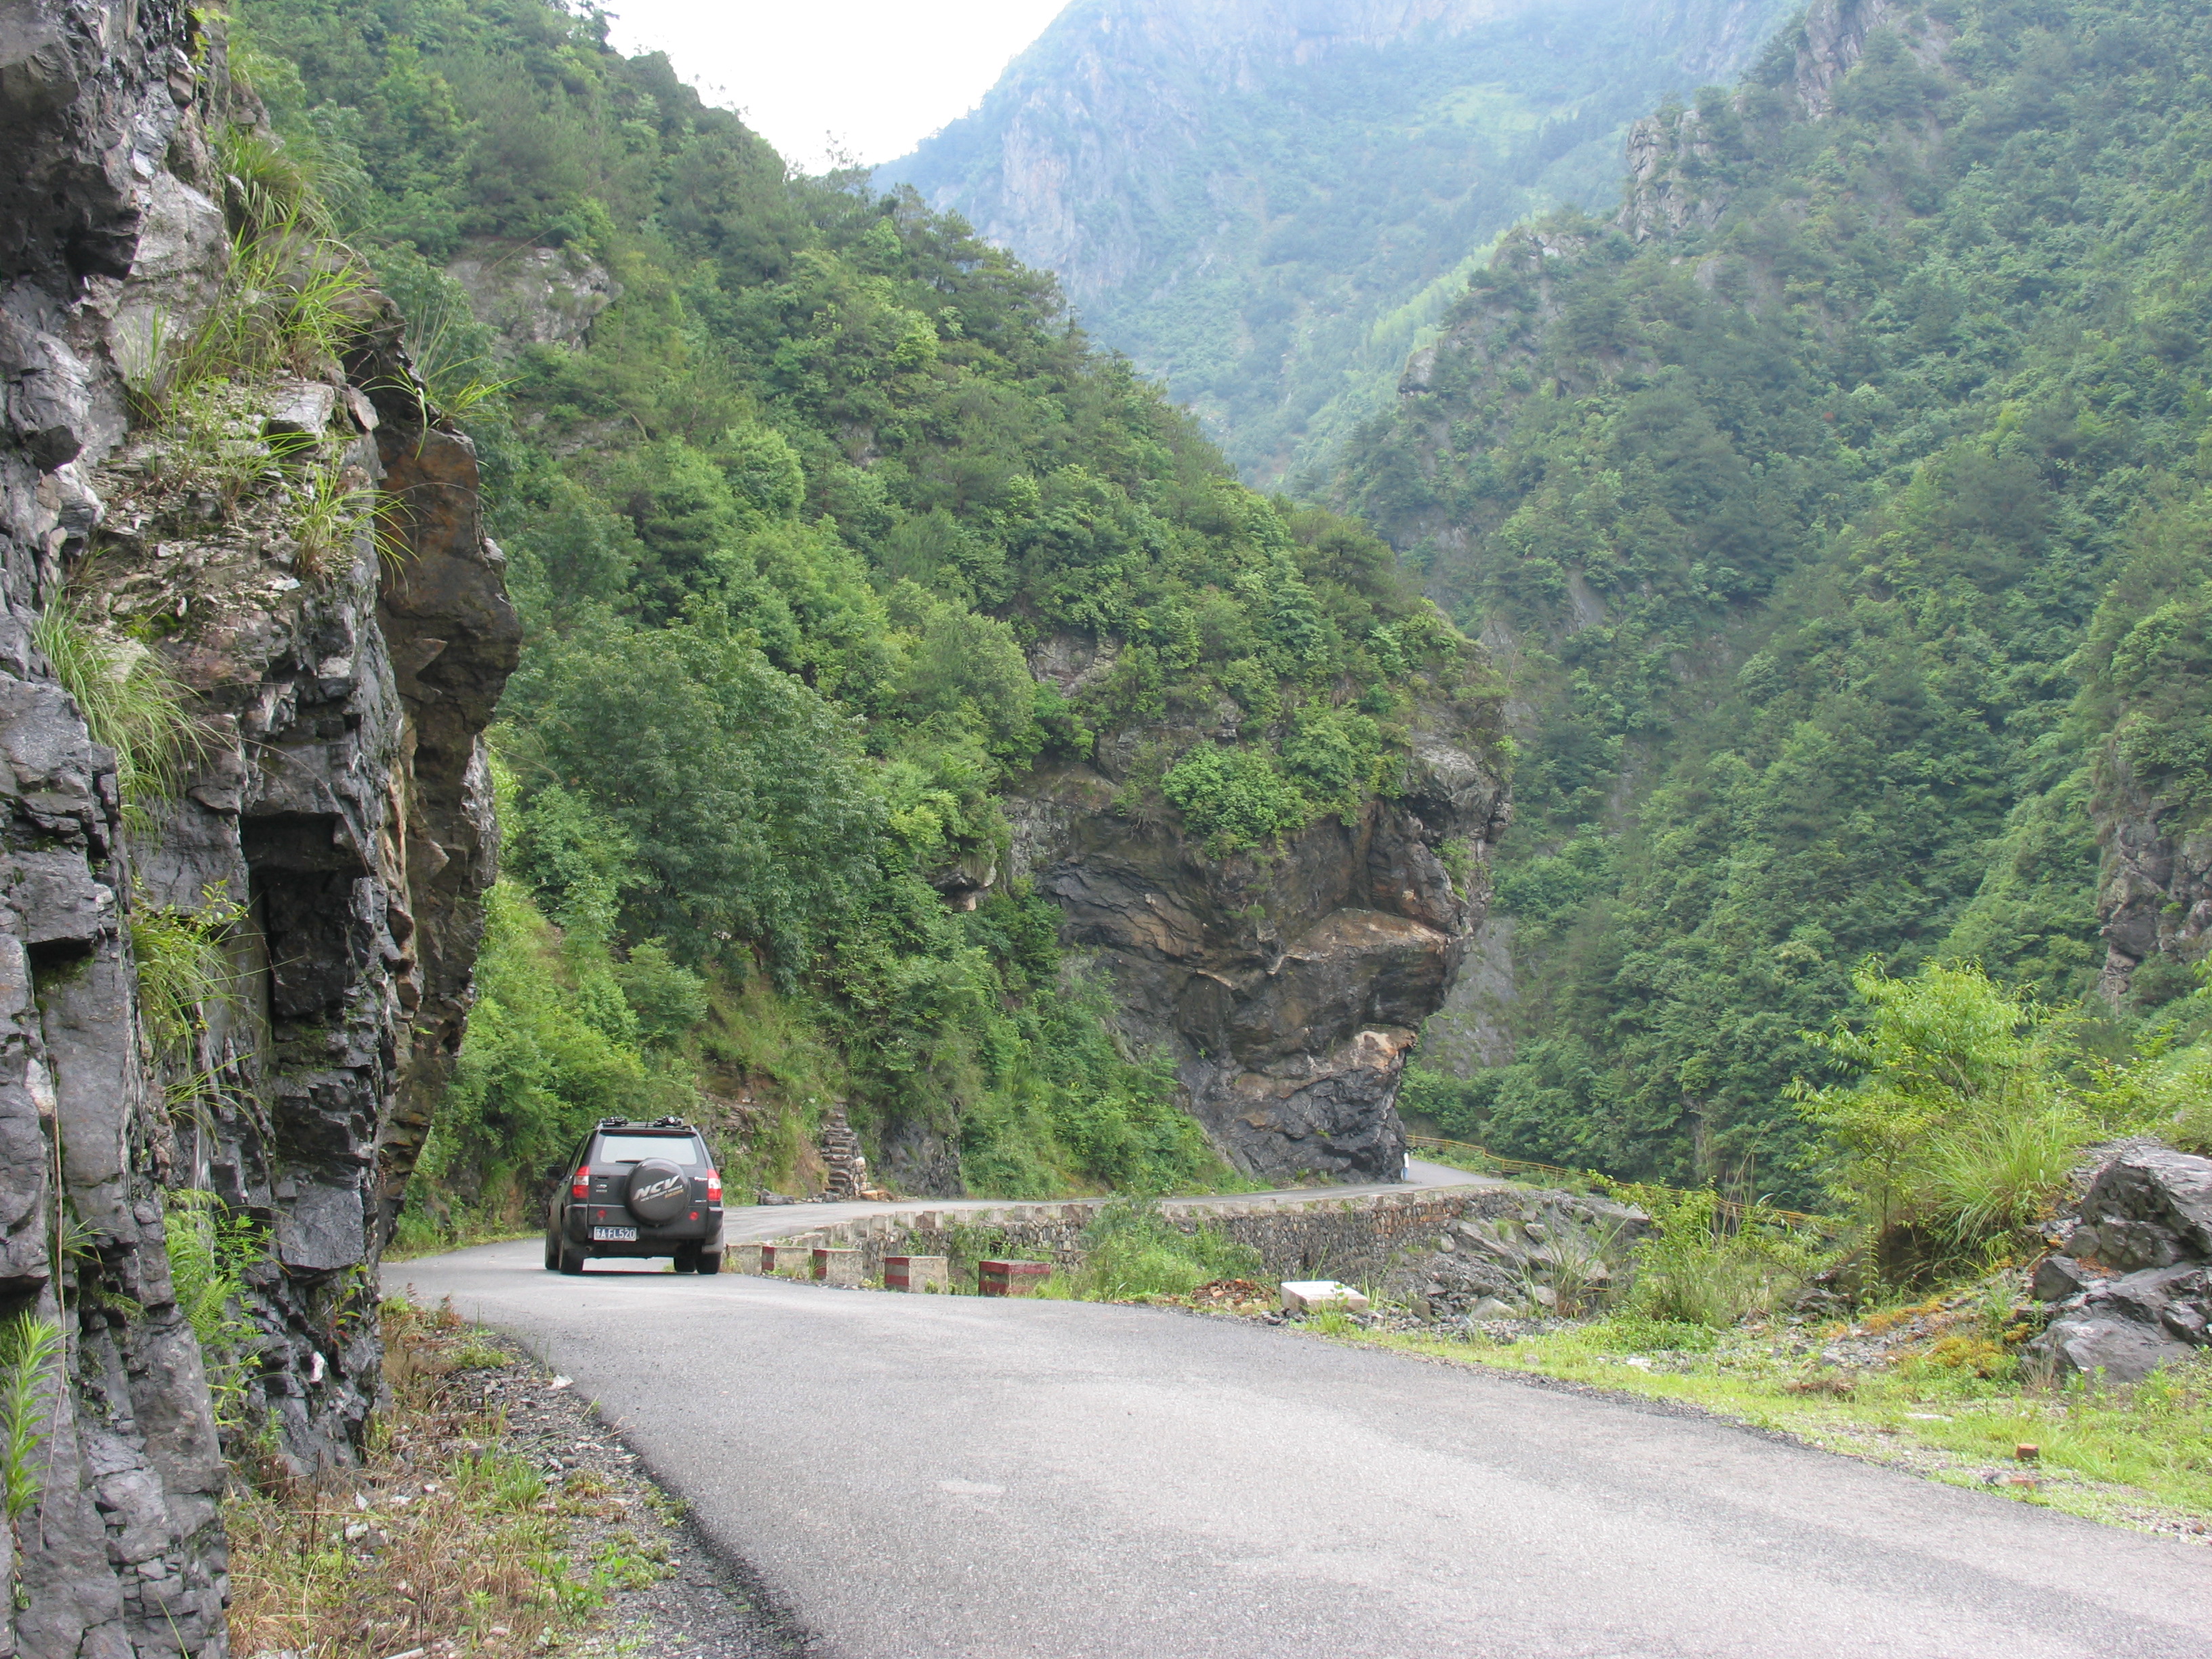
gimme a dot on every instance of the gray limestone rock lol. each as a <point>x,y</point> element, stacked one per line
<point>533,296</point>
<point>1512,1248</point>
<point>2135,1289</point>
<point>2151,1207</point>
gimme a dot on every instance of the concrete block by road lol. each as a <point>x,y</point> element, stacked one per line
<point>917,1273</point>
<point>1312,1295</point>
<point>786,1258</point>
<point>1010,1278</point>
<point>742,1258</point>
<point>838,1267</point>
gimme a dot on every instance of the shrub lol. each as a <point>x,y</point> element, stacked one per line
<point>1697,1270</point>
<point>1234,800</point>
<point>1961,1121</point>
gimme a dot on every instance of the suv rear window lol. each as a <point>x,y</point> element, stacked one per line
<point>632,1149</point>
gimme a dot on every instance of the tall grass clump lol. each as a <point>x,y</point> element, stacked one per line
<point>331,505</point>
<point>290,303</point>
<point>1132,1250</point>
<point>131,702</point>
<point>1701,1268</point>
<point>184,968</point>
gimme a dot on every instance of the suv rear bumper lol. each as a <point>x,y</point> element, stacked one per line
<point>663,1240</point>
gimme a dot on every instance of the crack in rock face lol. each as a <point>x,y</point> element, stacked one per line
<point>1287,986</point>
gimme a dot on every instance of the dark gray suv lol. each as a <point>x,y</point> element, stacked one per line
<point>638,1189</point>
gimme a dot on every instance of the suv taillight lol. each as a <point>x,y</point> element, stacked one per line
<point>581,1187</point>
<point>714,1186</point>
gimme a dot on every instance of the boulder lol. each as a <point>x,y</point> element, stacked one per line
<point>2133,1290</point>
<point>1314,1295</point>
<point>2149,1208</point>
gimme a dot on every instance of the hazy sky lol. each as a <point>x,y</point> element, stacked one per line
<point>870,76</point>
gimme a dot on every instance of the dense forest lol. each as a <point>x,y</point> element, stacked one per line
<point>1266,206</point>
<point>782,525</point>
<point>1841,513</point>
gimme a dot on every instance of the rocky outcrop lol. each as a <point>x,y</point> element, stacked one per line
<point>1287,986</point>
<point>533,296</point>
<point>340,794</point>
<point>1670,157</point>
<point>1675,182</point>
<point>1474,1030</point>
<point>1830,40</point>
<point>2154,886</point>
<point>124,1546</point>
<point>2130,1282</point>
<point>335,794</point>
<point>1513,1252</point>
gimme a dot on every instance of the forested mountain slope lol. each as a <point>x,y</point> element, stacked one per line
<point>1265,203</point>
<point>795,480</point>
<point>1841,511</point>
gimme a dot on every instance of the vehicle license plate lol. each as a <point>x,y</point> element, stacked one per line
<point>616,1235</point>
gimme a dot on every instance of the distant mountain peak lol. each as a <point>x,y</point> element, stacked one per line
<point>1267,202</point>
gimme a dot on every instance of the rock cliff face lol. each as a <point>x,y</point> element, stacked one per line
<point>532,295</point>
<point>1673,186</point>
<point>2154,886</point>
<point>1287,987</point>
<point>335,794</point>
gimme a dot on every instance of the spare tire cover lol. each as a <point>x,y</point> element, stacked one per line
<point>657,1190</point>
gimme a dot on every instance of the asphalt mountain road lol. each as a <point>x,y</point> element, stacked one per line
<point>1018,1480</point>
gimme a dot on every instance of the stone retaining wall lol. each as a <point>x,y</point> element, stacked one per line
<point>1354,1239</point>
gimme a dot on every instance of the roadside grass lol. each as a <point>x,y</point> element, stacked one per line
<point>1132,1253</point>
<point>445,1542</point>
<point>418,1234</point>
<point>2138,1455</point>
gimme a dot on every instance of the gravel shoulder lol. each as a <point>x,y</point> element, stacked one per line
<point>701,1604</point>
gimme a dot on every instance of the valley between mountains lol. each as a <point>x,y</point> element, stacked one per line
<point>1540,667</point>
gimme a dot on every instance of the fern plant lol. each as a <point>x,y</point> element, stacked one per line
<point>210,1250</point>
<point>29,1345</point>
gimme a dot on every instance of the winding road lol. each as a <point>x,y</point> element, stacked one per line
<point>1023,1480</point>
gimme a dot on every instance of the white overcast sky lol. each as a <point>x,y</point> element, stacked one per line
<point>870,77</point>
